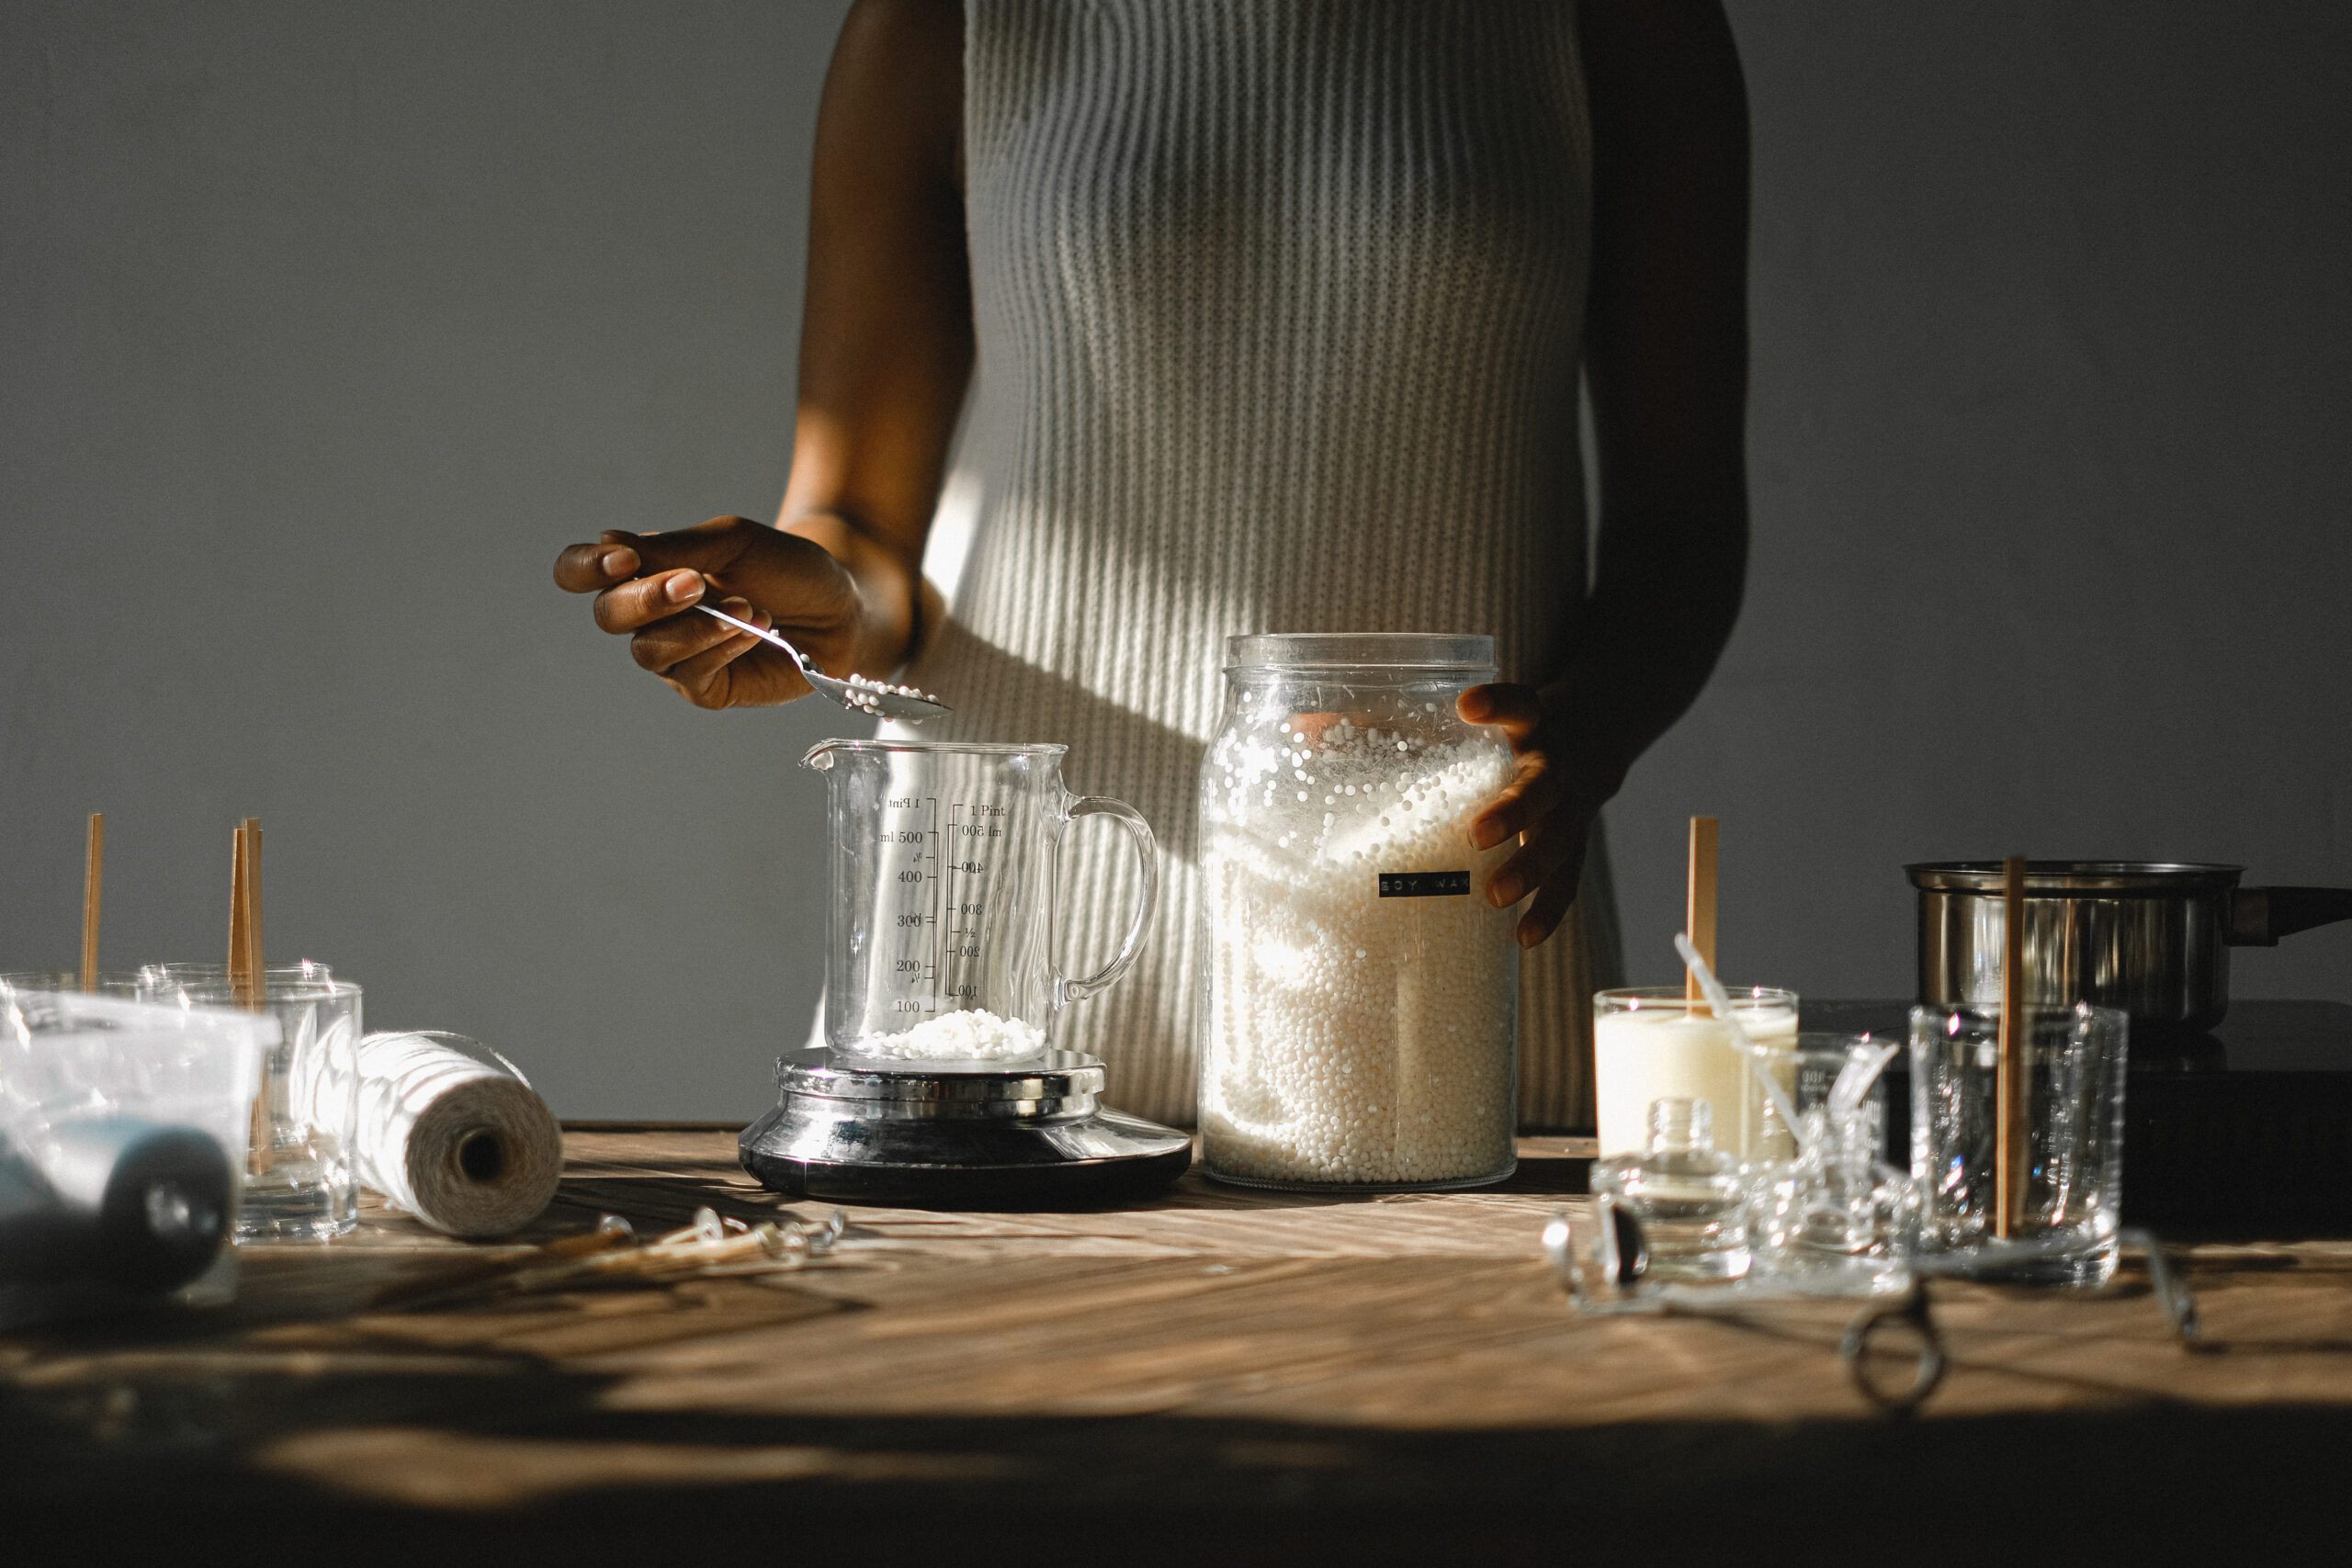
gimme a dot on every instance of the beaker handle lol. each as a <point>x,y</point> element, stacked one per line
<point>1146,847</point>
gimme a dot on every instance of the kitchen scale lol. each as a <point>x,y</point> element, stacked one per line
<point>978,1135</point>
<point>936,1083</point>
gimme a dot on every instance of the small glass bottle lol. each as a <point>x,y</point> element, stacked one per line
<point>1686,1195</point>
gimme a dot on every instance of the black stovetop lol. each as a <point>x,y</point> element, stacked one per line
<point>2245,1131</point>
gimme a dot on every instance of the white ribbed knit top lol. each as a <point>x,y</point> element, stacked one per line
<point>1278,306</point>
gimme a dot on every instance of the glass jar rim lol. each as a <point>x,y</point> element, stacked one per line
<point>1431,651</point>
<point>1988,1015</point>
<point>210,992</point>
<point>1639,997</point>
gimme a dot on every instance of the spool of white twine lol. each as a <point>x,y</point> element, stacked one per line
<point>451,1131</point>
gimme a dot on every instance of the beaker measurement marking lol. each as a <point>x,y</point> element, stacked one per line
<point>932,974</point>
<point>957,929</point>
<point>958,945</point>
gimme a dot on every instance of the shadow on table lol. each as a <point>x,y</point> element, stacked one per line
<point>366,1469</point>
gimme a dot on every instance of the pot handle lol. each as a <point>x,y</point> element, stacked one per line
<point>2260,916</point>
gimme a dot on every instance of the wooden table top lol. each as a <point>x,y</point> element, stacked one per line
<point>1387,1377</point>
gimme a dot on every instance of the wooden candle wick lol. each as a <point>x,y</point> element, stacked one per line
<point>93,879</point>
<point>246,981</point>
<point>239,981</point>
<point>2010,1085</point>
<point>256,979</point>
<point>1699,908</point>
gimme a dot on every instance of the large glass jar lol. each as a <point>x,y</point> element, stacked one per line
<point>1360,1015</point>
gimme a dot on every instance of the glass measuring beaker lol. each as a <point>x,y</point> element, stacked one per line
<point>942,889</point>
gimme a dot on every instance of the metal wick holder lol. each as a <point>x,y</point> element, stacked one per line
<point>1024,1135</point>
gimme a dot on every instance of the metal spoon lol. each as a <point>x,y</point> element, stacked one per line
<point>881,701</point>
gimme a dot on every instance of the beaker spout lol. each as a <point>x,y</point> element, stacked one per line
<point>820,756</point>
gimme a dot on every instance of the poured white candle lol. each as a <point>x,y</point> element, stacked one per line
<point>1650,1044</point>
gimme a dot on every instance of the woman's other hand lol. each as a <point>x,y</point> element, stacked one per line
<point>647,586</point>
<point>1666,373</point>
<point>1545,806</point>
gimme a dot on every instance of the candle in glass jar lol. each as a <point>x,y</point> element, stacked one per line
<point>1649,1044</point>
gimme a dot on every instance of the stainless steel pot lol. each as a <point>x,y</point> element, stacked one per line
<point>2150,937</point>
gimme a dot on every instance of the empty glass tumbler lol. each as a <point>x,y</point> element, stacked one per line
<point>2070,1062</point>
<point>1821,1056</point>
<point>1836,1218</point>
<point>943,881</point>
<point>301,1181</point>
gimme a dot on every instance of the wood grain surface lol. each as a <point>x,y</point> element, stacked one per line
<point>1385,1377</point>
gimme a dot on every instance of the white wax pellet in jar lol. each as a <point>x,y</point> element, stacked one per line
<point>1349,1038</point>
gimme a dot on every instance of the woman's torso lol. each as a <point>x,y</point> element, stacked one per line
<point>1278,305</point>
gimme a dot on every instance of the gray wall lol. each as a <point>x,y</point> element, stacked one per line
<point>325,326</point>
<point>2054,366</point>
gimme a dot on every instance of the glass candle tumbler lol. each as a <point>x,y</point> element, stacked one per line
<point>2070,1064</point>
<point>301,1180</point>
<point>1650,1042</point>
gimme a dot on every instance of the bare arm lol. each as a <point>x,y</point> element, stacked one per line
<point>1665,367</point>
<point>885,353</point>
<point>886,350</point>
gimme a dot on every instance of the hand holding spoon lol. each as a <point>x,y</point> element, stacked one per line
<point>857,693</point>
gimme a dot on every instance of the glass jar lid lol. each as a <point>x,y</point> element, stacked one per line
<point>1359,650</point>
